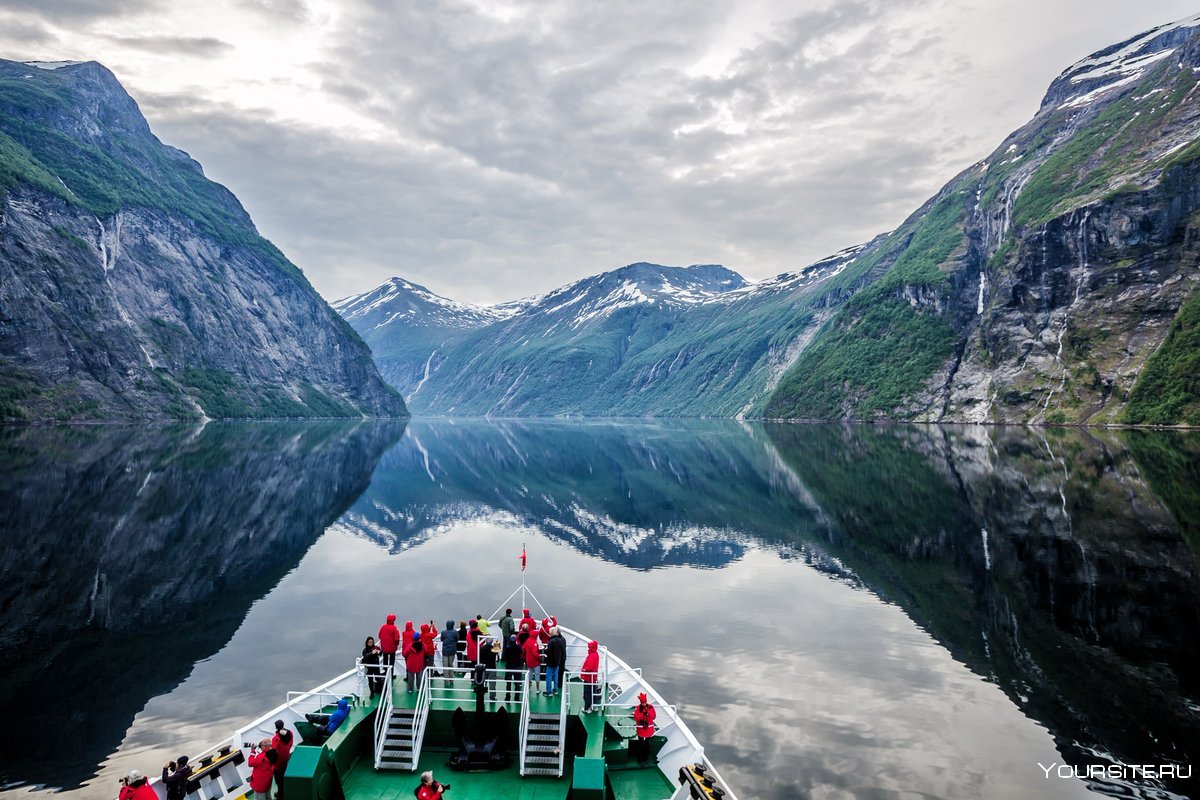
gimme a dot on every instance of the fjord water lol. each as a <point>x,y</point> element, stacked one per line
<point>839,611</point>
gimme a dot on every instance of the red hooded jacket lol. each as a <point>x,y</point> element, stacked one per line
<point>283,749</point>
<point>414,657</point>
<point>473,635</point>
<point>591,664</point>
<point>427,637</point>
<point>389,635</point>
<point>533,656</point>
<point>527,622</point>
<point>143,791</point>
<point>643,717</point>
<point>407,636</point>
<point>262,771</point>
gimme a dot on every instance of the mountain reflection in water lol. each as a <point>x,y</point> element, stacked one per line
<point>1056,572</point>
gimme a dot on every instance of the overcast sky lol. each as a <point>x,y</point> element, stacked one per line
<point>492,149</point>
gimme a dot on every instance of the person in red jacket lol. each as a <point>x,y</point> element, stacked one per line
<point>428,634</point>
<point>533,658</point>
<point>527,622</point>
<point>389,641</point>
<point>472,643</point>
<point>281,743</point>
<point>590,675</point>
<point>643,720</point>
<point>262,769</point>
<point>430,789</point>
<point>406,636</point>
<point>414,662</point>
<point>136,786</point>
<point>544,631</point>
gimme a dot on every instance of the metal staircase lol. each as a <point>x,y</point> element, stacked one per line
<point>398,740</point>
<point>543,745</point>
<point>397,751</point>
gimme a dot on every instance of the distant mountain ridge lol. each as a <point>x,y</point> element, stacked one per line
<point>132,287</point>
<point>644,339</point>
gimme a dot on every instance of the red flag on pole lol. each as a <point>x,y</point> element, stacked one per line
<point>522,558</point>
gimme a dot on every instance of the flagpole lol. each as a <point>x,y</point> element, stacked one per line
<point>523,603</point>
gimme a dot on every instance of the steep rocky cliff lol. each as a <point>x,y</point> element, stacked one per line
<point>1052,282</point>
<point>131,286</point>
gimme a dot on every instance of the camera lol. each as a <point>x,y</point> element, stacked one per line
<point>250,745</point>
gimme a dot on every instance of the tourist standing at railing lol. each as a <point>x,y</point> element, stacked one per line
<point>262,769</point>
<point>136,786</point>
<point>485,627</point>
<point>643,720</point>
<point>389,640</point>
<point>282,743</point>
<point>472,643</point>
<point>489,652</point>
<point>175,777</point>
<point>556,659</point>
<point>428,634</point>
<point>533,658</point>
<point>508,626</point>
<point>449,650</point>
<point>590,675</point>
<point>514,667</point>
<point>462,643</point>
<point>414,663</point>
<point>371,655</point>
<point>527,622</point>
<point>406,637</point>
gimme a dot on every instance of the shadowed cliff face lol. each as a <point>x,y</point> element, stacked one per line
<point>1045,561</point>
<point>132,553</point>
<point>132,287</point>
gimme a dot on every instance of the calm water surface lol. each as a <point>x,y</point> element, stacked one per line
<point>867,612</point>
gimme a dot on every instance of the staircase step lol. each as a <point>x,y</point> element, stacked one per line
<point>541,737</point>
<point>540,760</point>
<point>541,748</point>
<point>541,771</point>
<point>393,743</point>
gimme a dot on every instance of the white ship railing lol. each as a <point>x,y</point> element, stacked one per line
<point>383,716</point>
<point>524,724</point>
<point>420,717</point>
<point>564,706</point>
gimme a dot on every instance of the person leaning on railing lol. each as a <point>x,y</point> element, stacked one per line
<point>590,675</point>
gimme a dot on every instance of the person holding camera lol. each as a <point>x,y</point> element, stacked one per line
<point>136,786</point>
<point>175,777</point>
<point>262,769</point>
<point>429,788</point>
<point>643,720</point>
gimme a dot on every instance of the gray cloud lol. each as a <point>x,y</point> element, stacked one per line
<point>201,46</point>
<point>527,144</point>
<point>75,11</point>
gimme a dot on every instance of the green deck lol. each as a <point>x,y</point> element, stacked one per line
<point>598,745</point>
<point>365,783</point>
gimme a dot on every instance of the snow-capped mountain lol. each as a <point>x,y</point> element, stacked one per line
<point>644,339</point>
<point>409,304</point>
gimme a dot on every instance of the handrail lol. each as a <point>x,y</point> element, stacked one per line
<point>563,707</point>
<point>293,696</point>
<point>524,726</point>
<point>421,716</point>
<point>383,715</point>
